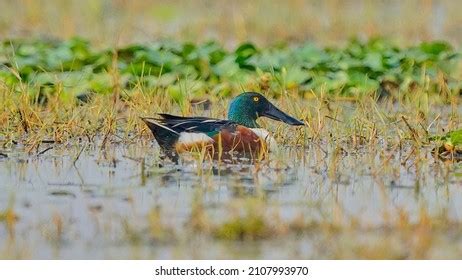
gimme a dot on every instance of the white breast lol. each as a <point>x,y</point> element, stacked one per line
<point>265,135</point>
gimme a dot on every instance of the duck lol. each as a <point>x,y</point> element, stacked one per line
<point>239,136</point>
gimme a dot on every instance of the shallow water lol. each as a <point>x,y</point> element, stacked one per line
<point>333,198</point>
<point>81,201</point>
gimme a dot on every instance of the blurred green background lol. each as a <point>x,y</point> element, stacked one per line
<point>328,22</point>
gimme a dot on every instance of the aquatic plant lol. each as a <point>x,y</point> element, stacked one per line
<point>77,68</point>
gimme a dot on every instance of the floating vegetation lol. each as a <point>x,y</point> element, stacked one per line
<point>450,145</point>
<point>75,67</point>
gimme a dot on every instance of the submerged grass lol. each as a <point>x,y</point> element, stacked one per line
<point>247,222</point>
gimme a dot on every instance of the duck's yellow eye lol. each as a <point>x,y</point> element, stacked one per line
<point>256,98</point>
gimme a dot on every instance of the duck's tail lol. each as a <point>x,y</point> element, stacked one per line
<point>165,136</point>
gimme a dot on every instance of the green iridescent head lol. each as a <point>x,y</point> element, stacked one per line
<point>247,107</point>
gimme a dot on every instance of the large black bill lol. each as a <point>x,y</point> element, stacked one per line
<point>274,113</point>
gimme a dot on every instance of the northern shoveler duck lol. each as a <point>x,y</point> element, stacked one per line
<point>240,135</point>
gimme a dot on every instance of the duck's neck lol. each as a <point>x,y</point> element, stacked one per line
<point>247,122</point>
